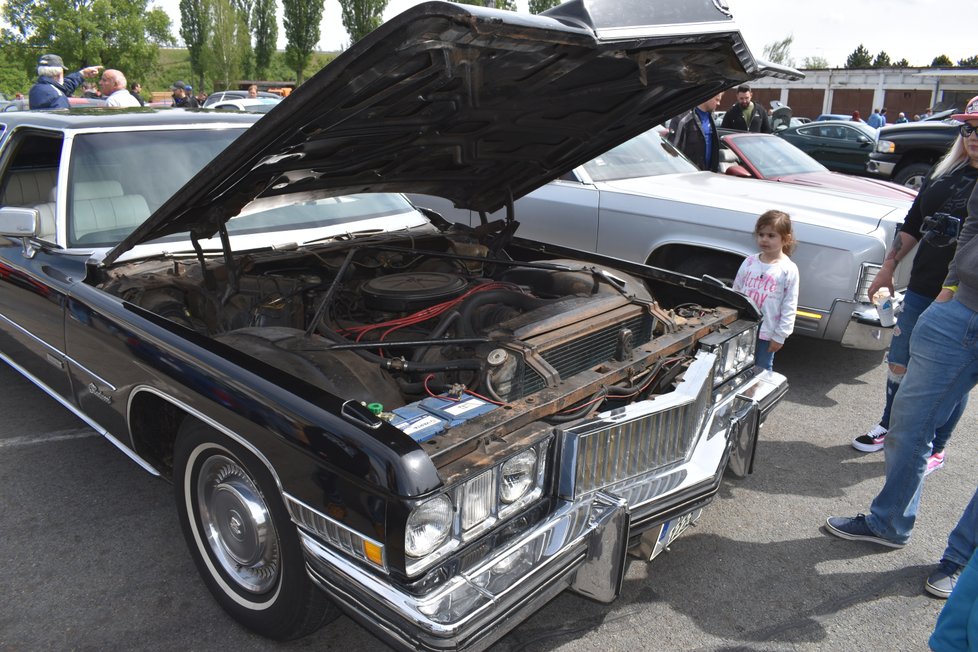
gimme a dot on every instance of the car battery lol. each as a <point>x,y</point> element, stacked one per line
<point>426,418</point>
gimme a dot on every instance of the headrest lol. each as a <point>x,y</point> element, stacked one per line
<point>96,189</point>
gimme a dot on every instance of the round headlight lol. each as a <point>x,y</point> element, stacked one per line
<point>518,476</point>
<point>427,526</point>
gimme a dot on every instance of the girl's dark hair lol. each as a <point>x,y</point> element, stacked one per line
<point>781,223</point>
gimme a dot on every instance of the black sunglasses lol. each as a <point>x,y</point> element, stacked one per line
<point>966,130</point>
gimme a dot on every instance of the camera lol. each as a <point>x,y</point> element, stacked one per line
<point>941,229</point>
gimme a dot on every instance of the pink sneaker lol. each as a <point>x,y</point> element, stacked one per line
<point>934,462</point>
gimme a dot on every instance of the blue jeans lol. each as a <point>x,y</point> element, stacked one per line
<point>899,354</point>
<point>963,540</point>
<point>763,358</point>
<point>943,369</point>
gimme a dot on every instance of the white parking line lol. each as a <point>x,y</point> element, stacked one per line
<point>47,438</point>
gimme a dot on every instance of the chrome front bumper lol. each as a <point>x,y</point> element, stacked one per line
<point>864,331</point>
<point>580,545</point>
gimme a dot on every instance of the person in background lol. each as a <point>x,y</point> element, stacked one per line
<point>946,190</point>
<point>745,115</point>
<point>770,278</point>
<point>901,118</point>
<point>19,96</point>
<point>856,117</point>
<point>136,90</point>
<point>180,97</point>
<point>201,98</point>
<point>253,91</point>
<point>53,87</point>
<point>694,133</point>
<point>876,120</point>
<point>113,87</point>
<point>943,369</point>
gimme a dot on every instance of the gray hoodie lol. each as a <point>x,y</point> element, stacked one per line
<point>963,270</point>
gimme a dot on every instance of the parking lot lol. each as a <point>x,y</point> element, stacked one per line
<point>93,557</point>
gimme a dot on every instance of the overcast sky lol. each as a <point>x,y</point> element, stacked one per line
<point>917,30</point>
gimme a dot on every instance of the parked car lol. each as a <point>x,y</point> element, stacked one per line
<point>254,105</point>
<point>841,146</point>
<point>643,201</point>
<point>832,116</point>
<point>218,97</point>
<point>433,427</point>
<point>762,156</point>
<point>907,151</point>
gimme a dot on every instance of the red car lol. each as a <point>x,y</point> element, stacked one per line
<point>763,156</point>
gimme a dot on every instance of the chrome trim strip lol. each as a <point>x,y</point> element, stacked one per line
<point>130,453</point>
<point>209,421</point>
<point>673,30</point>
<point>61,354</point>
<point>291,500</point>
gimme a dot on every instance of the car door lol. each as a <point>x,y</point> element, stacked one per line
<point>34,279</point>
<point>853,151</point>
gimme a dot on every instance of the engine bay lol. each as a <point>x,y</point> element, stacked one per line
<point>430,333</point>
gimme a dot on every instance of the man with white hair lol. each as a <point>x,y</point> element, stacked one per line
<point>113,87</point>
<point>53,87</point>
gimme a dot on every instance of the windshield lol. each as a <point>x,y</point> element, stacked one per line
<point>118,179</point>
<point>774,157</point>
<point>646,155</point>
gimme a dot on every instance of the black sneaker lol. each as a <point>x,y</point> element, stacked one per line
<point>856,529</point>
<point>872,441</point>
<point>941,582</point>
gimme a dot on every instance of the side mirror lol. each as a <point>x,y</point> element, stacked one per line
<point>19,222</point>
<point>737,170</point>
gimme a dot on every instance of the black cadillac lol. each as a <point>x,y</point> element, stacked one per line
<point>434,428</point>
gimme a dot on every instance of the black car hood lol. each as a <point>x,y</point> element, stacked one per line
<point>476,105</point>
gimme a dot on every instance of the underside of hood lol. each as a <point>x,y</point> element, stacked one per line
<point>476,105</point>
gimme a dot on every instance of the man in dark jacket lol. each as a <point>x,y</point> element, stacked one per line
<point>745,115</point>
<point>53,87</point>
<point>694,133</point>
<point>181,97</point>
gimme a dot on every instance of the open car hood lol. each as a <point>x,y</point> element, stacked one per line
<point>476,105</point>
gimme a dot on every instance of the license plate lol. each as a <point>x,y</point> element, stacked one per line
<point>670,531</point>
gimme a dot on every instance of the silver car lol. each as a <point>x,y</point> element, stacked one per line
<point>643,201</point>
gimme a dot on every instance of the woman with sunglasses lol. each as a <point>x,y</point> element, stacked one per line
<point>942,369</point>
<point>944,192</point>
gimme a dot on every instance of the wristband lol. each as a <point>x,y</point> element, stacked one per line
<point>952,288</point>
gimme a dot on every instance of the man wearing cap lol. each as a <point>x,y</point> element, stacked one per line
<point>181,98</point>
<point>53,87</point>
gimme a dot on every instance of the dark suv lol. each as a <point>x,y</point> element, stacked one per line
<point>906,152</point>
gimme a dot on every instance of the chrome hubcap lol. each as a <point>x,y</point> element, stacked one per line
<point>237,525</point>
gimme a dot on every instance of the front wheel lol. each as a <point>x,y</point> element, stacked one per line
<point>241,538</point>
<point>913,175</point>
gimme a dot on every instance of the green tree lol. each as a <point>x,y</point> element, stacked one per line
<point>496,4</point>
<point>301,19</point>
<point>970,62</point>
<point>780,51</point>
<point>121,34</point>
<point>13,79</point>
<point>902,63</point>
<point>265,28</point>
<point>540,6</point>
<point>230,43</point>
<point>815,63</point>
<point>860,58</point>
<point>942,61</point>
<point>882,60</point>
<point>195,30</point>
<point>360,17</point>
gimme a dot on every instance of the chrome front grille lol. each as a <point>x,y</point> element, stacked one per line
<point>638,439</point>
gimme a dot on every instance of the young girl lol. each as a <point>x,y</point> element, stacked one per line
<point>771,280</point>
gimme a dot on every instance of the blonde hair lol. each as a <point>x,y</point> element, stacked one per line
<point>781,223</point>
<point>957,156</point>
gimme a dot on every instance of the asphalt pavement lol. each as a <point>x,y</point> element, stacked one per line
<point>93,559</point>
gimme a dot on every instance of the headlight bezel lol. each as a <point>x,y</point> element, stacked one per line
<point>469,494</point>
<point>735,349</point>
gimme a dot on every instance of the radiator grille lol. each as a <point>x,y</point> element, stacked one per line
<point>585,352</point>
